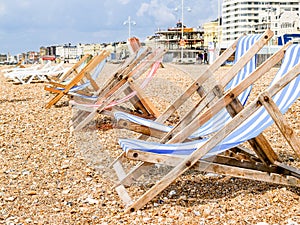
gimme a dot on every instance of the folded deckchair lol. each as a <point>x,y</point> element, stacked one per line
<point>123,81</point>
<point>26,75</point>
<point>21,67</point>
<point>241,69</point>
<point>134,45</point>
<point>85,79</point>
<point>208,154</point>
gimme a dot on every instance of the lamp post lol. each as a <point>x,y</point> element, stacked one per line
<point>129,22</point>
<point>182,43</point>
<point>219,21</point>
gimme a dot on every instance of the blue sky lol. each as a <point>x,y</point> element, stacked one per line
<point>28,24</point>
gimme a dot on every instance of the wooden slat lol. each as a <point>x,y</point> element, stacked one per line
<point>145,102</point>
<point>281,122</point>
<point>93,82</point>
<point>75,67</point>
<point>124,124</point>
<point>124,195</point>
<point>247,171</point>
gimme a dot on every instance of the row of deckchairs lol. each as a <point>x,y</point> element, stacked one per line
<point>200,141</point>
<point>81,84</point>
<point>209,137</point>
<point>36,72</point>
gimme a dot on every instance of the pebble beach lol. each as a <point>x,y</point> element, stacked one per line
<point>49,175</point>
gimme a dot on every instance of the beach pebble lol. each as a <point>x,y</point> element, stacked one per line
<point>51,176</point>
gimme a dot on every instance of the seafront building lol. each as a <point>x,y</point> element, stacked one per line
<point>250,16</point>
<point>183,43</point>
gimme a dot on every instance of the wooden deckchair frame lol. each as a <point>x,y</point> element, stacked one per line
<point>206,100</point>
<point>124,81</point>
<point>230,101</point>
<point>117,75</point>
<point>84,73</point>
<point>196,87</point>
<point>251,167</point>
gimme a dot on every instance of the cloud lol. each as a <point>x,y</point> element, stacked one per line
<point>2,9</point>
<point>124,2</point>
<point>158,10</point>
<point>25,24</point>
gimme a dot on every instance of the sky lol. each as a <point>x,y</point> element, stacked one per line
<point>26,25</point>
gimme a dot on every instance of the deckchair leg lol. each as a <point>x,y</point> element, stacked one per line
<point>121,174</point>
<point>281,122</point>
<point>124,195</point>
<point>135,173</point>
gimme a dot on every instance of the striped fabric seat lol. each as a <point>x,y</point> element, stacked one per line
<point>249,129</point>
<point>222,117</point>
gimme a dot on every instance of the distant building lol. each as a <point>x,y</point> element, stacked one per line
<point>3,58</point>
<point>182,43</point>
<point>67,53</point>
<point>212,38</point>
<point>212,33</point>
<point>251,16</point>
<point>48,53</point>
<point>93,49</point>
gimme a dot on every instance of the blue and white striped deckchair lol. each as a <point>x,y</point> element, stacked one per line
<point>253,126</point>
<point>223,116</point>
<point>248,124</point>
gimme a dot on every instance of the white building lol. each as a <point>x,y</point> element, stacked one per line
<point>67,53</point>
<point>251,16</point>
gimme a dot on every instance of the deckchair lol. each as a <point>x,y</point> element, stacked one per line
<point>38,75</point>
<point>238,72</point>
<point>123,81</point>
<point>34,66</point>
<point>18,66</point>
<point>209,154</point>
<point>134,45</point>
<point>26,75</point>
<point>245,49</point>
<point>84,79</point>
